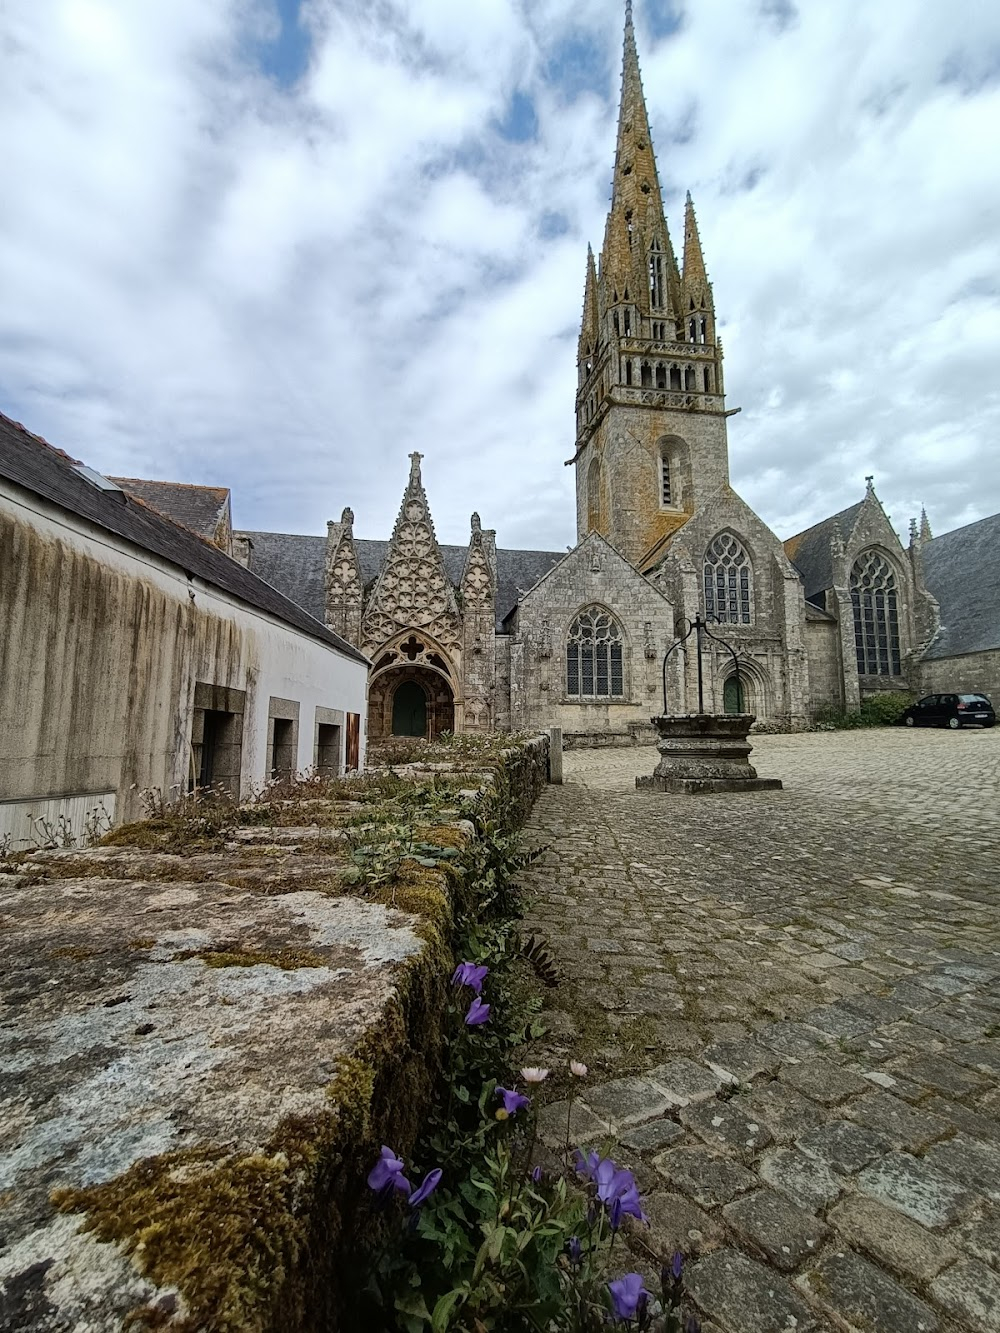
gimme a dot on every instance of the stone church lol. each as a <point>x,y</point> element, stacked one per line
<point>469,638</point>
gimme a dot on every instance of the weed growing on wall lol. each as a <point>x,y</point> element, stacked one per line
<point>485,1230</point>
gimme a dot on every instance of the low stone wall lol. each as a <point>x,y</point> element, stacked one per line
<point>221,1016</point>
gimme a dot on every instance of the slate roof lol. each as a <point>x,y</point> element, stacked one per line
<point>962,570</point>
<point>809,551</point>
<point>200,508</point>
<point>295,565</point>
<point>30,462</point>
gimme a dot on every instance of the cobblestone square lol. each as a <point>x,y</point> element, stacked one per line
<point>788,1003</point>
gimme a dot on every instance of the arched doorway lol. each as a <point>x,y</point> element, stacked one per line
<point>409,710</point>
<point>733,696</point>
<point>410,701</point>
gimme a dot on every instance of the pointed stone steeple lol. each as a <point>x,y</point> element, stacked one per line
<point>413,589</point>
<point>925,526</point>
<point>344,586</point>
<point>635,180</point>
<point>590,328</point>
<point>655,360</point>
<point>695,278</point>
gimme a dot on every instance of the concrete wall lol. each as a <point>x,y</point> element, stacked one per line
<point>103,646</point>
<point>972,673</point>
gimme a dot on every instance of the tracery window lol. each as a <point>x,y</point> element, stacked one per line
<point>876,616</point>
<point>728,581</point>
<point>594,667</point>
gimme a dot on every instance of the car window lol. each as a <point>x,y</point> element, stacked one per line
<point>949,699</point>
<point>973,698</point>
<point>929,702</point>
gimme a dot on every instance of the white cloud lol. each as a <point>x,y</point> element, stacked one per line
<point>208,276</point>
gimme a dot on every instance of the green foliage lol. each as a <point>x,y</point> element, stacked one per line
<point>885,710</point>
<point>878,710</point>
<point>495,1249</point>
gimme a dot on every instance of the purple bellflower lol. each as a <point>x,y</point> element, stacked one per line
<point>616,1189</point>
<point>468,974</point>
<point>387,1174</point>
<point>585,1163</point>
<point>426,1188</point>
<point>677,1265</point>
<point>628,1295</point>
<point>512,1101</point>
<point>575,1250</point>
<point>478,1013</point>
<point>536,1175</point>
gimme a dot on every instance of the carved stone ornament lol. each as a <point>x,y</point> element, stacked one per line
<point>413,588</point>
<point>477,582</point>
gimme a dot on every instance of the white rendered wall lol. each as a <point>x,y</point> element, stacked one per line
<point>101,646</point>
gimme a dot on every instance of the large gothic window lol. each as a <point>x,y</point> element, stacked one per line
<point>728,581</point>
<point>876,616</point>
<point>594,656</point>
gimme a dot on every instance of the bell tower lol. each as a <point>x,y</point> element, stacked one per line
<point>650,411</point>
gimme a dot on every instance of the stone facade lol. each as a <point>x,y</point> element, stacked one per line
<point>471,638</point>
<point>841,562</point>
<point>592,576</point>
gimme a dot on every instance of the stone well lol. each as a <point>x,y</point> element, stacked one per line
<point>705,752</point>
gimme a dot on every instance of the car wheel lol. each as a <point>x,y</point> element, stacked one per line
<point>954,723</point>
<point>909,721</point>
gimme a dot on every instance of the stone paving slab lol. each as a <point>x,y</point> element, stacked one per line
<point>792,1021</point>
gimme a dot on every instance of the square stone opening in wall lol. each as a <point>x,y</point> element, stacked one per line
<point>282,737</point>
<point>282,747</point>
<point>327,750</point>
<point>216,750</point>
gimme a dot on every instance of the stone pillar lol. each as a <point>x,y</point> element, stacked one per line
<point>555,756</point>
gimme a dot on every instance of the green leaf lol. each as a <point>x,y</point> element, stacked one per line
<point>495,1242</point>
<point>413,1303</point>
<point>443,1309</point>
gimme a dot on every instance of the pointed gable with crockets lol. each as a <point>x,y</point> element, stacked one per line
<point>413,589</point>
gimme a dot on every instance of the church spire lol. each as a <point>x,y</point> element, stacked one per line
<point>590,329</point>
<point>925,526</point>
<point>635,180</point>
<point>696,290</point>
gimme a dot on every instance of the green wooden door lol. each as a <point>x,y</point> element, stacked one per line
<point>732,696</point>
<point>409,710</point>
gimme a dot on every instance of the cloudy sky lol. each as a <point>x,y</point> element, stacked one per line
<point>279,244</point>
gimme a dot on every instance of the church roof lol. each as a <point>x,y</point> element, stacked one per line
<point>33,464</point>
<point>809,551</point>
<point>296,564</point>
<point>962,571</point>
<point>200,508</point>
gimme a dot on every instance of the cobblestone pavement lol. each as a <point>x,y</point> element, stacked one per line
<point>789,1005</point>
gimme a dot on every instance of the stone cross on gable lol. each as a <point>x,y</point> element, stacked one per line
<point>415,468</point>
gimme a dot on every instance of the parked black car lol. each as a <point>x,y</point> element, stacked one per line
<point>950,710</point>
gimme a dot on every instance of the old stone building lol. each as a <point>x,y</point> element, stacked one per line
<point>137,655</point>
<point>476,636</point>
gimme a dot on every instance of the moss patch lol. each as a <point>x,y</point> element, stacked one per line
<point>289,960</point>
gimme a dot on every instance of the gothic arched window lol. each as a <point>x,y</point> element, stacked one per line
<point>594,667</point>
<point>728,581</point>
<point>876,616</point>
